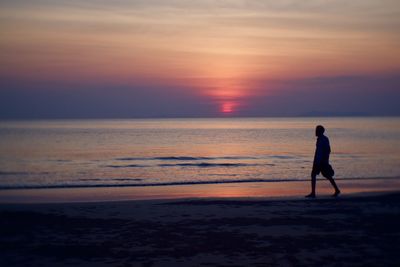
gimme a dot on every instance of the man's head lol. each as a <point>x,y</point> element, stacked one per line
<point>319,130</point>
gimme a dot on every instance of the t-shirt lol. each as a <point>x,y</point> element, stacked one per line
<point>322,151</point>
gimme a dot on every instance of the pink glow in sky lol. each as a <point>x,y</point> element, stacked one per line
<point>208,57</point>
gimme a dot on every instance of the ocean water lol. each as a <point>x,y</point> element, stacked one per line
<point>148,152</point>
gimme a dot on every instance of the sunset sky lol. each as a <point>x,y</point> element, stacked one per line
<point>206,58</point>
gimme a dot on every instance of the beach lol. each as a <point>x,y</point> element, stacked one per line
<point>205,192</point>
<point>356,229</point>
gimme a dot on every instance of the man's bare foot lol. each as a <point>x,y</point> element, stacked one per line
<point>336,193</point>
<point>312,195</point>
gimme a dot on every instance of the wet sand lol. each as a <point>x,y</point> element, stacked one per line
<point>353,230</point>
<point>214,190</point>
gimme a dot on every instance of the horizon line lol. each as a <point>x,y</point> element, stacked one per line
<point>198,117</point>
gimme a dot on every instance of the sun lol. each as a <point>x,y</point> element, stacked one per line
<point>227,108</point>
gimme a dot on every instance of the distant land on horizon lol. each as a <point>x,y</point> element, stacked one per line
<point>340,114</point>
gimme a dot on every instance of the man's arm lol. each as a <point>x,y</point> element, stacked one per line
<point>318,152</point>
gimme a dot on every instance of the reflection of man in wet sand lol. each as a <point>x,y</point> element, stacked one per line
<point>321,162</point>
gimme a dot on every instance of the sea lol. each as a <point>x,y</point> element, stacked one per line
<point>162,152</point>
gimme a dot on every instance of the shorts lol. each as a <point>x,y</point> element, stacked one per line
<point>325,169</point>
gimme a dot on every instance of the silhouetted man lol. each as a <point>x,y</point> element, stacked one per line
<point>321,162</point>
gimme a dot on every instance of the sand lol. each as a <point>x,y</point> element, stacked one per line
<point>353,230</point>
<point>226,190</point>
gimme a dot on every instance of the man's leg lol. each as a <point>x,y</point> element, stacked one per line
<point>313,182</point>
<point>337,191</point>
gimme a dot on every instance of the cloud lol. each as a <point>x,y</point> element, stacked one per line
<point>96,100</point>
<point>344,95</point>
<point>340,95</point>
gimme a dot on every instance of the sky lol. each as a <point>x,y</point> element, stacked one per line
<point>205,58</point>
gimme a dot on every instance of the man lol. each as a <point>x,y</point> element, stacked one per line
<point>321,162</point>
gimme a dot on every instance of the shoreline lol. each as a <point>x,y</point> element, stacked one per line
<point>262,190</point>
<point>211,182</point>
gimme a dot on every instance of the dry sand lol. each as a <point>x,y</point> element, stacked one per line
<point>353,230</point>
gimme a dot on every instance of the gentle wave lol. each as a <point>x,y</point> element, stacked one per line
<point>206,165</point>
<point>22,173</point>
<point>178,183</point>
<point>14,173</point>
<point>126,166</point>
<point>185,158</point>
<point>282,157</point>
<point>142,184</point>
<point>114,179</point>
<point>200,165</point>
